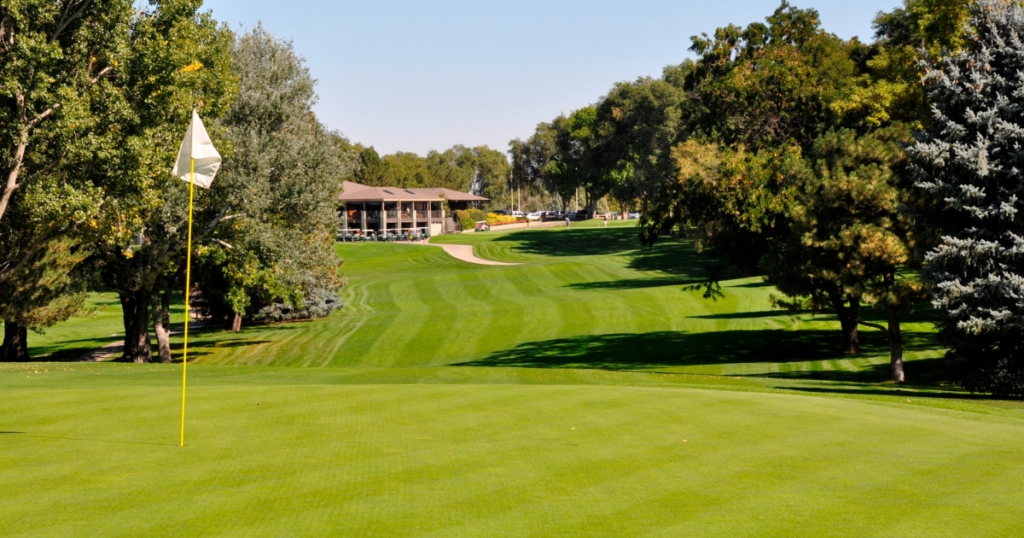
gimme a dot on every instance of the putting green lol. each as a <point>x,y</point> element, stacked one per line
<point>88,450</point>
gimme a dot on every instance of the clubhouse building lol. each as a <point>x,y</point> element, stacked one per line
<point>394,210</point>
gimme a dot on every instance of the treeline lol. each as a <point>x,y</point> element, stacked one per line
<point>480,170</point>
<point>96,95</point>
<point>850,174</point>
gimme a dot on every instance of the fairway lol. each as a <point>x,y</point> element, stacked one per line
<point>587,297</point>
<point>582,393</point>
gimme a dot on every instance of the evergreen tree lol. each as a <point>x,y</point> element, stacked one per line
<point>969,168</point>
<point>851,241</point>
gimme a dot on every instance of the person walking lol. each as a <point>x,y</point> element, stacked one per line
<point>606,221</point>
<point>567,221</point>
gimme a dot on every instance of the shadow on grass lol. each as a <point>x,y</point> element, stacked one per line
<point>654,350</point>
<point>202,348</point>
<point>634,283</point>
<point>70,354</point>
<point>582,242</point>
<point>672,257</point>
<point>747,315</point>
<point>907,391</point>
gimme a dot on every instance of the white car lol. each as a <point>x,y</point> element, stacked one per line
<point>518,214</point>
<point>536,215</point>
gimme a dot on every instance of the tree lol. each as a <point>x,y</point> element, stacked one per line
<point>55,58</point>
<point>56,106</point>
<point>406,170</point>
<point>281,181</point>
<point>560,158</point>
<point>40,295</point>
<point>452,169</point>
<point>371,170</point>
<point>492,173</point>
<point>769,85</point>
<point>968,168</point>
<point>178,57</point>
<point>636,126</point>
<point>889,89</point>
<point>850,239</point>
<point>762,98</point>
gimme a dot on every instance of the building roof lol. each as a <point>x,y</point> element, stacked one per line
<point>356,192</point>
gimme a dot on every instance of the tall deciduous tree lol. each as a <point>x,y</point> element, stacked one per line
<point>454,168</point>
<point>179,57</point>
<point>492,173</point>
<point>57,112</point>
<point>55,57</point>
<point>371,170</point>
<point>969,166</point>
<point>281,183</point>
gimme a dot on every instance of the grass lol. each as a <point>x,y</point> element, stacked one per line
<point>583,298</point>
<point>583,393</point>
<point>89,451</point>
<point>100,323</point>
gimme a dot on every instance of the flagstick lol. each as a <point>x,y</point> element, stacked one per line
<point>188,288</point>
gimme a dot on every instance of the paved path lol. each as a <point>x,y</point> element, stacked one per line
<point>103,353</point>
<point>465,253</point>
<point>115,348</point>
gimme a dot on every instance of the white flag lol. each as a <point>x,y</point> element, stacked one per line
<point>197,145</point>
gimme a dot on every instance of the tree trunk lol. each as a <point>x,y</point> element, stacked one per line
<point>236,323</point>
<point>895,345</point>
<point>162,322</point>
<point>136,306</point>
<point>15,346</point>
<point>849,320</point>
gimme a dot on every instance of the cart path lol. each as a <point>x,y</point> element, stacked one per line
<point>465,253</point>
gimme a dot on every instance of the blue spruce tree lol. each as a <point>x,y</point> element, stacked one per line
<point>970,168</point>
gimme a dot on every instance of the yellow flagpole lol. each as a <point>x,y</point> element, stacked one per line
<point>188,289</point>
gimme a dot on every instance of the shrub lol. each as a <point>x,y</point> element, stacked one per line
<point>477,215</point>
<point>502,219</point>
<point>317,302</point>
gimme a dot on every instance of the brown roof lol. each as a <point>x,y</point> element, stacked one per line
<point>356,192</point>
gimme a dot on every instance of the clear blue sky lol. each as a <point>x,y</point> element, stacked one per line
<point>416,76</point>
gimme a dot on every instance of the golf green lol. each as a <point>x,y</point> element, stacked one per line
<point>89,450</point>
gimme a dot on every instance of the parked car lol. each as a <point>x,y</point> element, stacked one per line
<point>518,214</point>
<point>578,215</point>
<point>536,215</point>
<point>501,212</point>
<point>634,215</point>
